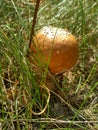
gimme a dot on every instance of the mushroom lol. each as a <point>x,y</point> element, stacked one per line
<point>58,47</point>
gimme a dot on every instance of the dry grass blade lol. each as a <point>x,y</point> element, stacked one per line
<point>44,109</point>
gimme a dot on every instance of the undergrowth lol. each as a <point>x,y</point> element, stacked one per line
<point>20,91</point>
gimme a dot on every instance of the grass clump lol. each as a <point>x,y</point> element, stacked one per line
<point>20,84</point>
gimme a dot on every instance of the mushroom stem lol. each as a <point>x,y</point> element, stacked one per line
<point>61,80</point>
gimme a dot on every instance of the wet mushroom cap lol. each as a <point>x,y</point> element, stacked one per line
<point>58,46</point>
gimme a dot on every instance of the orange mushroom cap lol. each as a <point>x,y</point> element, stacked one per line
<point>58,46</point>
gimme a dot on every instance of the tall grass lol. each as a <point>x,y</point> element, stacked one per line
<point>20,84</point>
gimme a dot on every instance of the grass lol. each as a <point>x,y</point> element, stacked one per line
<point>19,84</point>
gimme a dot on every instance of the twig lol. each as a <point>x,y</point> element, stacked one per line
<point>34,20</point>
<point>52,120</point>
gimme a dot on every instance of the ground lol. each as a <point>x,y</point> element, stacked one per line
<point>21,91</point>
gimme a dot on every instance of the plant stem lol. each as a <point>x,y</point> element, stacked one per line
<point>34,20</point>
